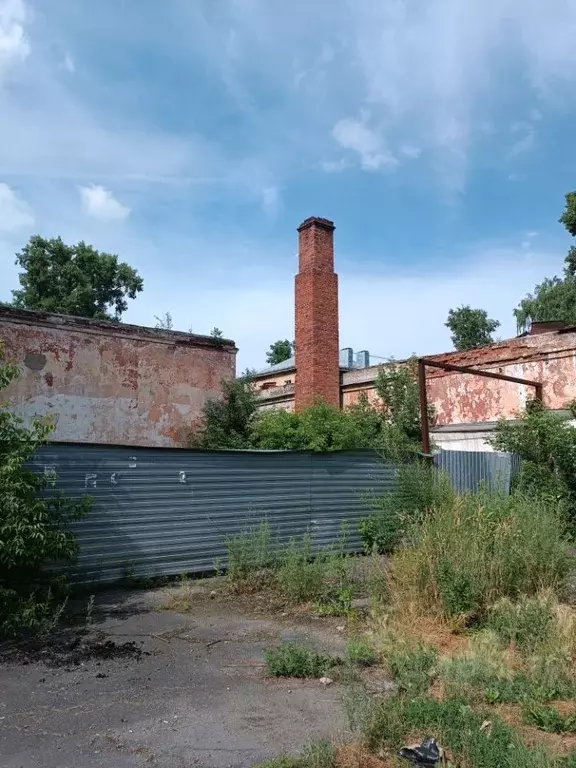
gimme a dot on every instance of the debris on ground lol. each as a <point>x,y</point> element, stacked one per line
<point>428,754</point>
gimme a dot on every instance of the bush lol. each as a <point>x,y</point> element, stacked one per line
<point>468,553</point>
<point>292,660</point>
<point>319,427</point>
<point>227,421</point>
<point>33,525</point>
<point>418,488</point>
<point>546,444</point>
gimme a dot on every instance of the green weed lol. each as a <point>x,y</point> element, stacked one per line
<point>321,754</point>
<point>467,554</point>
<point>300,577</point>
<point>548,718</point>
<point>360,652</point>
<point>250,551</point>
<point>293,660</point>
<point>388,723</point>
<point>527,623</point>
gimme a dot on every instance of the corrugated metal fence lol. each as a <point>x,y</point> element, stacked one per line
<point>168,511</point>
<point>469,469</point>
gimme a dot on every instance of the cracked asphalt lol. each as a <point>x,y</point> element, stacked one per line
<point>200,698</point>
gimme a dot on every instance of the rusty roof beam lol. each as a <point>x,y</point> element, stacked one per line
<point>424,361</point>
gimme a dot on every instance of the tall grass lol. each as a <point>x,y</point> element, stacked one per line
<point>418,487</point>
<point>468,553</point>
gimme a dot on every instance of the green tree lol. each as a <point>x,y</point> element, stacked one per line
<point>546,444</point>
<point>397,388</point>
<point>319,427</point>
<point>279,351</point>
<point>227,421</point>
<point>471,328</point>
<point>33,522</point>
<point>74,280</point>
<point>555,297</point>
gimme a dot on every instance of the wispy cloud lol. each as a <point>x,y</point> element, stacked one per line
<point>366,142</point>
<point>15,213</point>
<point>101,203</point>
<point>14,45</point>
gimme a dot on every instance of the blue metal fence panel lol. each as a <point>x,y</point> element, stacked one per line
<point>169,511</point>
<point>470,469</point>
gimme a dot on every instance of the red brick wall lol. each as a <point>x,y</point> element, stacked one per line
<point>316,312</point>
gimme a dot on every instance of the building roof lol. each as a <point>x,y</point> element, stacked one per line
<point>285,365</point>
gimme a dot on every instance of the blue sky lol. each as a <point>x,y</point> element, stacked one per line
<point>191,137</point>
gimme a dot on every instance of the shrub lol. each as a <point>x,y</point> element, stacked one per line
<point>546,444</point>
<point>227,421</point>
<point>468,553</point>
<point>33,525</point>
<point>319,427</point>
<point>292,660</point>
<point>418,488</point>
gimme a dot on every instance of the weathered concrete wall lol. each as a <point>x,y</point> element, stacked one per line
<point>112,383</point>
<point>466,399</point>
<point>462,398</point>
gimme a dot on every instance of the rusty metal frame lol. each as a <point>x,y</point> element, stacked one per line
<point>423,362</point>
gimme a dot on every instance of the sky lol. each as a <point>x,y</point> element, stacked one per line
<point>191,137</point>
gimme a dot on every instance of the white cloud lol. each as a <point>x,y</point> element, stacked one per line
<point>14,45</point>
<point>101,203</point>
<point>412,304</point>
<point>15,213</point>
<point>367,143</point>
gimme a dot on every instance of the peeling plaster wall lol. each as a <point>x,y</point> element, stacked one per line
<point>463,399</point>
<point>107,383</point>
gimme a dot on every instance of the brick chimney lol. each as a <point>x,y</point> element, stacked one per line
<point>316,336</point>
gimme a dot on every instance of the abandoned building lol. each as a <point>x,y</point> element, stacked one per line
<point>106,382</point>
<point>466,407</point>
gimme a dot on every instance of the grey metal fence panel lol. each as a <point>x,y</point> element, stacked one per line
<point>342,487</point>
<point>469,469</point>
<point>168,511</point>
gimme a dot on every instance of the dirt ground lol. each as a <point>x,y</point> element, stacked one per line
<point>186,690</point>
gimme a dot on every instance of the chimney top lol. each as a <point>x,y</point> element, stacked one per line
<point>318,221</point>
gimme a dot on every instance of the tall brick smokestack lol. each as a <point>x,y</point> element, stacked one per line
<point>316,337</point>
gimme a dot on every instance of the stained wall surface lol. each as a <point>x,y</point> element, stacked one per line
<point>112,383</point>
<point>458,398</point>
